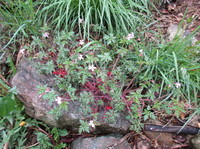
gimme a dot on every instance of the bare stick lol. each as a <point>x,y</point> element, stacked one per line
<point>31,145</point>
<point>172,129</point>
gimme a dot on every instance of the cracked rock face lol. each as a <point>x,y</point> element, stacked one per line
<point>26,81</point>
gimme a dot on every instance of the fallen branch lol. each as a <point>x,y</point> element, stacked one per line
<point>172,129</point>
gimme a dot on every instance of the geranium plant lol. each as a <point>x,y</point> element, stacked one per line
<point>113,75</point>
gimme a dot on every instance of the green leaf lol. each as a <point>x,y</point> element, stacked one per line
<point>11,65</point>
<point>63,132</point>
<point>8,105</point>
<point>84,127</point>
<point>105,57</point>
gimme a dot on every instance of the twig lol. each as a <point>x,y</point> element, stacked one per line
<point>6,145</point>
<point>180,146</point>
<point>168,122</point>
<point>120,141</point>
<point>41,130</point>
<point>118,56</point>
<point>130,83</point>
<point>31,145</point>
<point>5,80</point>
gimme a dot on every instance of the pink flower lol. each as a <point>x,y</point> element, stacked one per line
<point>46,35</point>
<point>152,81</point>
<point>81,20</point>
<point>47,90</point>
<point>177,84</point>
<point>130,36</point>
<point>81,42</point>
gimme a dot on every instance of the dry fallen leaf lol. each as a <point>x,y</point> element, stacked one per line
<point>20,54</point>
<point>182,115</point>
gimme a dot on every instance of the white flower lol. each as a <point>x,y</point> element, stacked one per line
<point>58,100</point>
<point>45,35</point>
<point>80,57</point>
<point>177,84</point>
<point>141,51</point>
<point>22,51</point>
<point>130,36</point>
<point>92,67</point>
<point>81,42</point>
<point>91,123</point>
<point>81,20</point>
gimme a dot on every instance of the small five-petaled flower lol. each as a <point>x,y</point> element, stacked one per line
<point>58,100</point>
<point>91,123</point>
<point>177,84</point>
<point>81,20</point>
<point>130,36</point>
<point>45,35</point>
<point>80,57</point>
<point>22,51</point>
<point>81,42</point>
<point>92,67</point>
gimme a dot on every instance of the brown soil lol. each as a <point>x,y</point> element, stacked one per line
<point>176,11</point>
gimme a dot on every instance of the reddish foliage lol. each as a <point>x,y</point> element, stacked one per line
<point>60,72</point>
<point>93,86</point>
<point>109,73</point>
<point>108,107</point>
<point>52,54</point>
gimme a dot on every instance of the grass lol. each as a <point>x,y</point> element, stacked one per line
<point>16,14</point>
<point>101,15</point>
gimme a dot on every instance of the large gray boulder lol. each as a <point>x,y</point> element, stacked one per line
<point>26,81</point>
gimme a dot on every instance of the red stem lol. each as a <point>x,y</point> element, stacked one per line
<point>48,135</point>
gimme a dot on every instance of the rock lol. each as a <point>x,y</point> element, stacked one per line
<point>104,142</point>
<point>26,81</point>
<point>143,143</point>
<point>174,30</point>
<point>195,142</point>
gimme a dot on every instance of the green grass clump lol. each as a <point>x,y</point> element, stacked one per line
<point>101,15</point>
<point>18,14</point>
